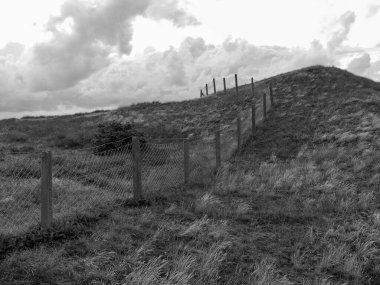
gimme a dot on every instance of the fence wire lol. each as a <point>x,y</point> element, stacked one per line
<point>162,166</point>
<point>202,160</point>
<point>87,178</point>
<point>19,193</point>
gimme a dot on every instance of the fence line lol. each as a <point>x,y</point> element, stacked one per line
<point>58,185</point>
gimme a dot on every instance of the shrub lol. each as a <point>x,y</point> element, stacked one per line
<point>17,136</point>
<point>69,141</point>
<point>114,135</point>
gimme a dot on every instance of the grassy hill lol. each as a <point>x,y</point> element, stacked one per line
<point>156,120</point>
<point>299,205</point>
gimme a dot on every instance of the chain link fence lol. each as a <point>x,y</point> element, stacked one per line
<point>83,179</point>
<point>20,188</point>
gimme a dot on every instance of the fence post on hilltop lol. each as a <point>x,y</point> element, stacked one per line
<point>264,106</point>
<point>206,89</point>
<point>271,95</point>
<point>236,84</point>
<point>224,85</point>
<point>218,156</point>
<point>213,81</point>
<point>238,133</point>
<point>186,161</point>
<point>137,185</point>
<point>201,94</point>
<point>46,190</point>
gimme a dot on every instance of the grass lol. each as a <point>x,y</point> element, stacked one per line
<point>82,180</point>
<point>298,205</point>
<point>155,120</point>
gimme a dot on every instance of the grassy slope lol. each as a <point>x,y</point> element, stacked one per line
<point>299,205</point>
<point>155,120</point>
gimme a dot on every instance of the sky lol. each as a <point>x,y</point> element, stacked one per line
<point>68,56</point>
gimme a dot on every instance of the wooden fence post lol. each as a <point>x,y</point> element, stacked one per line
<point>264,106</point>
<point>238,128</point>
<point>253,118</point>
<point>218,156</point>
<point>224,84</point>
<point>236,85</point>
<point>213,81</point>
<point>206,89</point>
<point>271,95</point>
<point>253,108</point>
<point>46,191</point>
<point>137,185</point>
<point>186,161</point>
<point>252,88</point>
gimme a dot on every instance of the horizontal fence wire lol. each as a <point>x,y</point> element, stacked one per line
<point>20,193</point>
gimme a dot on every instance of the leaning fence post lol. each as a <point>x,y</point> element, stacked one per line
<point>264,106</point>
<point>46,190</point>
<point>218,156</point>
<point>236,85</point>
<point>186,160</point>
<point>271,95</point>
<point>213,81</point>
<point>224,85</point>
<point>238,129</point>
<point>137,185</point>
<point>206,89</point>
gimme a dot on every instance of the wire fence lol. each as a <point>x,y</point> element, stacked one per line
<point>82,179</point>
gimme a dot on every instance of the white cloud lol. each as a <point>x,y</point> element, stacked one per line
<point>169,10</point>
<point>360,65</point>
<point>372,10</point>
<point>86,33</point>
<point>84,64</point>
<point>340,35</point>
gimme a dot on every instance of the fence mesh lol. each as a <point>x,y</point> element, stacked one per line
<point>19,195</point>
<point>84,180</point>
<point>162,166</point>
<point>87,178</point>
<point>202,160</point>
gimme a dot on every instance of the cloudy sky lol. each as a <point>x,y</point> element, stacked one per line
<point>67,56</point>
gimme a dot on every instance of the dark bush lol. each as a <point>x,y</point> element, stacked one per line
<point>69,141</point>
<point>17,136</point>
<point>114,135</point>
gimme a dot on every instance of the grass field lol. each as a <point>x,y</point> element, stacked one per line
<point>299,205</point>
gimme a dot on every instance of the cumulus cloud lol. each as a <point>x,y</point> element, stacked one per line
<point>365,67</point>
<point>12,49</point>
<point>174,74</point>
<point>85,34</point>
<point>343,28</point>
<point>169,9</point>
<point>360,64</point>
<point>178,73</point>
<point>374,71</point>
<point>373,10</point>
<point>80,66</point>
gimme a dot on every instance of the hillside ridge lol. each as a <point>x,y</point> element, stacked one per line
<point>171,119</point>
